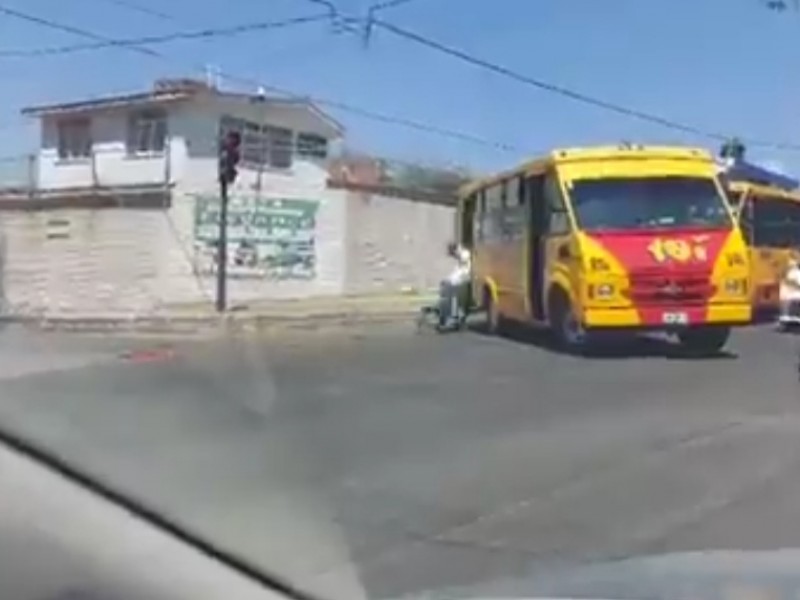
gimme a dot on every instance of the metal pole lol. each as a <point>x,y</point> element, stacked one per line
<point>222,250</point>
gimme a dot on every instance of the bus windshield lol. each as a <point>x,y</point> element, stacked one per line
<point>610,204</point>
<point>775,222</point>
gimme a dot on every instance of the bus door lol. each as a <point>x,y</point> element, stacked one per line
<point>560,257</point>
<point>534,196</point>
<point>551,238</point>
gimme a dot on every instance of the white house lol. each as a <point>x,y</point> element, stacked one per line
<point>124,215</point>
<point>169,136</point>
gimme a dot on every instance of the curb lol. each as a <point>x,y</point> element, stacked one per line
<point>212,324</point>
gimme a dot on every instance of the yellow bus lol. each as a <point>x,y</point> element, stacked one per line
<point>622,238</point>
<point>769,218</point>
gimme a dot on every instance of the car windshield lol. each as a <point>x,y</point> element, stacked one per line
<point>386,298</point>
<point>774,222</point>
<point>625,204</point>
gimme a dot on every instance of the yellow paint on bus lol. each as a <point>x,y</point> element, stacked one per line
<point>559,239</point>
<point>770,221</point>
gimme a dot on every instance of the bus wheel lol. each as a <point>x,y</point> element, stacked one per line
<point>704,340</point>
<point>570,335</point>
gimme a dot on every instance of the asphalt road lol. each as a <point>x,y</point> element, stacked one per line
<point>383,463</point>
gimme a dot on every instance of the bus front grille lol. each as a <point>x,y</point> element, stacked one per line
<point>693,289</point>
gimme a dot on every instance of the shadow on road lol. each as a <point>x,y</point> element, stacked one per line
<point>621,347</point>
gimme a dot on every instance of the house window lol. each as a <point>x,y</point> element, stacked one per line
<point>262,146</point>
<point>254,144</point>
<point>74,139</point>
<point>311,145</point>
<point>281,146</point>
<point>147,132</point>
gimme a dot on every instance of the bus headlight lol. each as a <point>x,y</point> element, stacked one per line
<point>602,291</point>
<point>736,287</point>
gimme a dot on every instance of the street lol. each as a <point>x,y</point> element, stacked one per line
<point>383,463</point>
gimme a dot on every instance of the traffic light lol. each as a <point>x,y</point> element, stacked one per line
<point>229,156</point>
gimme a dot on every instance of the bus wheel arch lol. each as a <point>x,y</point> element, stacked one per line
<point>567,330</point>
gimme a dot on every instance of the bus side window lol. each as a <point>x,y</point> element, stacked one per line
<point>538,206</point>
<point>492,222</point>
<point>522,193</point>
<point>557,215</point>
<point>479,216</point>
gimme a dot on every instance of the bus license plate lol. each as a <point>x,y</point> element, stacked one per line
<point>675,318</point>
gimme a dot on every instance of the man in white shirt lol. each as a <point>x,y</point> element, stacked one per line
<point>453,289</point>
<point>789,295</point>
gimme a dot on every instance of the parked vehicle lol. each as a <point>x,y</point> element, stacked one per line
<point>767,207</point>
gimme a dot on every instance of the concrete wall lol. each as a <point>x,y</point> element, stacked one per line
<point>311,241</point>
<point>393,244</point>
<point>84,261</point>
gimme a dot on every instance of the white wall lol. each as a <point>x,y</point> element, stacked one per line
<point>197,125</point>
<point>81,261</point>
<point>393,244</point>
<point>112,261</point>
<point>135,261</point>
<point>110,164</point>
<point>193,128</point>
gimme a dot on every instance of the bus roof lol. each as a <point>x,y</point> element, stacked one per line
<point>745,172</point>
<point>764,190</point>
<point>590,154</point>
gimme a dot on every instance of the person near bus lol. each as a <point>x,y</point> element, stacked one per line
<point>453,289</point>
<point>789,294</point>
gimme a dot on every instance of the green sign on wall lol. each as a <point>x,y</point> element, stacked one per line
<point>272,238</point>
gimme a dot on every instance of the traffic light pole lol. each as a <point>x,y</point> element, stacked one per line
<point>228,159</point>
<point>222,249</point>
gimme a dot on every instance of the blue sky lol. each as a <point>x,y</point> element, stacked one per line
<point>723,65</point>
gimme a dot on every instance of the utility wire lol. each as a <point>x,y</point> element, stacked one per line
<point>333,12</point>
<point>170,37</point>
<point>136,7</point>
<point>49,24</point>
<point>371,22</point>
<point>543,85</point>
<point>373,10</point>
<point>568,92</point>
<point>248,81</point>
<point>338,20</point>
<point>386,5</point>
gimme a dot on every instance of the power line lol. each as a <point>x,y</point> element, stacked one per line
<point>373,10</point>
<point>338,20</point>
<point>170,37</point>
<point>49,24</point>
<point>336,104</point>
<point>386,5</point>
<point>543,85</point>
<point>568,92</point>
<point>136,7</point>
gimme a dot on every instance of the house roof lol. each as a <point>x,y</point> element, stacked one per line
<point>168,91</point>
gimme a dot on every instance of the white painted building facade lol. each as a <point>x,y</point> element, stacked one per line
<point>124,213</point>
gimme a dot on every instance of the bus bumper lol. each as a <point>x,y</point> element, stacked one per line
<point>658,318</point>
